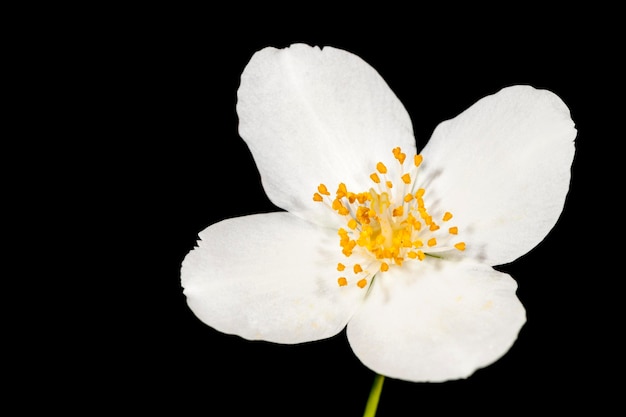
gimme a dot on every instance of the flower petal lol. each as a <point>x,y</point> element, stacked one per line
<point>436,321</point>
<point>270,277</point>
<point>314,116</point>
<point>503,168</point>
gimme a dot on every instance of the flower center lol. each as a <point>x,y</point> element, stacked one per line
<point>389,224</point>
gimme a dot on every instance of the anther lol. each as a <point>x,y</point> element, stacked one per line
<point>432,242</point>
<point>357,268</point>
<point>362,283</point>
<point>453,230</point>
<point>460,246</point>
<point>406,178</point>
<point>340,208</point>
<point>381,168</point>
<point>399,155</point>
<point>340,266</point>
<point>342,191</point>
<point>447,216</point>
<point>417,160</point>
<point>375,178</point>
<point>322,189</point>
<point>342,281</point>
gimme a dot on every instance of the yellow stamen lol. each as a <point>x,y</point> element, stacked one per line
<point>362,283</point>
<point>352,224</point>
<point>340,208</point>
<point>340,266</point>
<point>417,160</point>
<point>342,191</point>
<point>342,281</point>
<point>460,246</point>
<point>323,190</point>
<point>399,155</point>
<point>375,178</point>
<point>398,211</point>
<point>381,168</point>
<point>432,242</point>
<point>408,198</point>
<point>447,216</point>
<point>317,197</point>
<point>406,178</point>
<point>389,184</point>
<point>453,230</point>
<point>357,268</point>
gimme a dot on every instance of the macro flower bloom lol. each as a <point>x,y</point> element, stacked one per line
<point>397,246</point>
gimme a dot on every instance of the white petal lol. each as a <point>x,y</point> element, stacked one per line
<point>436,321</point>
<point>314,116</point>
<point>268,276</point>
<point>503,168</point>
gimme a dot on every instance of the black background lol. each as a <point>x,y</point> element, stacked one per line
<point>168,162</point>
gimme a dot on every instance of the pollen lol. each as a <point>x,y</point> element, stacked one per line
<point>389,225</point>
<point>322,189</point>
<point>398,211</point>
<point>399,155</point>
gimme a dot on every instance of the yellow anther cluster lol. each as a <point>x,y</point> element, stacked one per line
<point>386,229</point>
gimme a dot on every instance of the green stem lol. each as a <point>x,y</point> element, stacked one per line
<point>372,401</point>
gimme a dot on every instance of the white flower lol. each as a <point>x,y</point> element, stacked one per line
<point>490,185</point>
